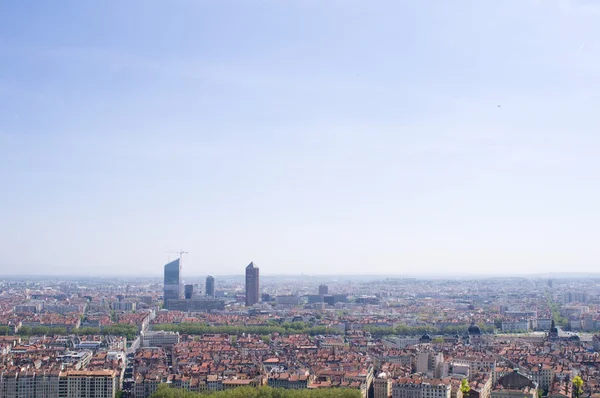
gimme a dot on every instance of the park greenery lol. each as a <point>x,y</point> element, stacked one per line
<point>129,331</point>
<point>288,328</point>
<point>555,310</point>
<point>164,391</point>
<point>283,328</point>
<point>405,330</point>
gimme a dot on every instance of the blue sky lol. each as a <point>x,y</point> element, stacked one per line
<point>307,136</point>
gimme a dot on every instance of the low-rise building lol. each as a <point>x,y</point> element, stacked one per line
<point>416,387</point>
<point>159,338</point>
<point>515,385</point>
<point>382,386</point>
<point>123,306</point>
<point>292,381</point>
<point>72,383</point>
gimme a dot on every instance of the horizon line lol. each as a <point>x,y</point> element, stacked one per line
<point>382,275</point>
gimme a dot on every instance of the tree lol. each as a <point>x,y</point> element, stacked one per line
<point>87,331</point>
<point>57,331</point>
<point>24,331</point>
<point>164,391</point>
<point>201,328</point>
<point>577,386</point>
<point>129,331</point>
<point>266,338</point>
<point>40,330</point>
<point>465,387</point>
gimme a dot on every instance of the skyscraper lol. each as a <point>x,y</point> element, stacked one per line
<point>173,286</point>
<point>188,291</point>
<point>323,289</point>
<point>210,286</point>
<point>251,285</point>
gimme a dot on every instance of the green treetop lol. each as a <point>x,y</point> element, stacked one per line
<point>577,386</point>
<point>164,391</point>
<point>465,387</point>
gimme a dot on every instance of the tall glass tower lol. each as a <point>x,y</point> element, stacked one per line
<point>210,286</point>
<point>252,285</point>
<point>173,284</point>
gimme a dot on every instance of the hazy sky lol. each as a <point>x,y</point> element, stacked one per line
<point>308,136</point>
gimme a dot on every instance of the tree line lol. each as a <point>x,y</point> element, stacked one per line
<point>284,329</point>
<point>303,328</point>
<point>405,330</point>
<point>129,331</point>
<point>556,316</point>
<point>287,328</point>
<point>164,391</point>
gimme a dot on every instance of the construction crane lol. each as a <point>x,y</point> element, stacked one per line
<point>181,253</point>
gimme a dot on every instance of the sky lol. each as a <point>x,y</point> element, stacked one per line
<point>309,136</point>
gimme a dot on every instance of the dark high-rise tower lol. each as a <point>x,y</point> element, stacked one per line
<point>323,289</point>
<point>173,289</point>
<point>210,286</point>
<point>251,285</point>
<point>188,291</point>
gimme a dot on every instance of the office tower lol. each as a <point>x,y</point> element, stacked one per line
<point>173,287</point>
<point>188,291</point>
<point>251,284</point>
<point>210,286</point>
<point>323,289</point>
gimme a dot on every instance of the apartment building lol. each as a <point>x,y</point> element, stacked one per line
<point>69,384</point>
<point>407,388</point>
<point>436,388</point>
<point>421,388</point>
<point>525,325</point>
<point>292,381</point>
<point>89,384</point>
<point>146,386</point>
<point>123,306</point>
<point>543,375</point>
<point>159,338</point>
<point>476,363</point>
<point>382,387</point>
<point>515,385</point>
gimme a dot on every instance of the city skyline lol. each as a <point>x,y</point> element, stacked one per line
<point>300,198</point>
<point>315,137</point>
<point>375,338</point>
<point>203,272</point>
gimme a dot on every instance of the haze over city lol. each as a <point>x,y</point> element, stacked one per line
<point>315,137</point>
